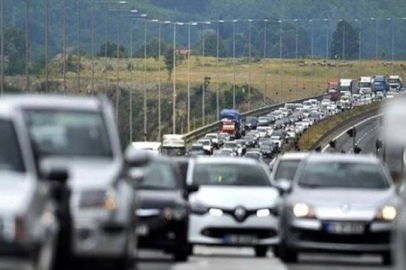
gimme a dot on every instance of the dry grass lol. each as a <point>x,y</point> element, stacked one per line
<point>296,80</point>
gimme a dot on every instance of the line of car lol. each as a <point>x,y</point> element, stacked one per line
<point>70,194</point>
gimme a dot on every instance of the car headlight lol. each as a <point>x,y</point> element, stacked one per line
<point>198,208</point>
<point>99,199</point>
<point>302,210</point>
<point>216,212</point>
<point>387,213</point>
<point>176,213</point>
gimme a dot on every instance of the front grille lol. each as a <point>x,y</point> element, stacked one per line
<point>323,237</point>
<point>220,233</point>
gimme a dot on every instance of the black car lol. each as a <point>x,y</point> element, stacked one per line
<point>251,123</point>
<point>267,150</point>
<point>163,212</point>
<point>250,141</point>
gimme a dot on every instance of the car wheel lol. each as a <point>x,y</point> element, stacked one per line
<point>260,251</point>
<point>181,255</point>
<point>287,255</point>
<point>387,259</point>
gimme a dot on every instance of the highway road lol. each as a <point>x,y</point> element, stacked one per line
<point>367,134</point>
<point>208,258</point>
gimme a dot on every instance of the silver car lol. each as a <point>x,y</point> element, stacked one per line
<point>80,135</point>
<point>338,203</point>
<point>29,226</point>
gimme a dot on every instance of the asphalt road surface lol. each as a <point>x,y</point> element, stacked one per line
<point>208,258</point>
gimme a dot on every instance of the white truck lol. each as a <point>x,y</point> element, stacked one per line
<point>395,83</point>
<point>365,85</point>
<point>347,85</point>
<point>173,145</point>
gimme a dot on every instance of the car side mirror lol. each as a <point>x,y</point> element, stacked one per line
<point>136,158</point>
<point>192,188</point>
<point>284,186</point>
<point>56,174</point>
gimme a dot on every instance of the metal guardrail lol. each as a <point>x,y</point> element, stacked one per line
<point>213,127</point>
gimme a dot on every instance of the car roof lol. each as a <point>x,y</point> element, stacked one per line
<point>49,101</point>
<point>294,156</point>
<point>338,157</point>
<point>217,160</point>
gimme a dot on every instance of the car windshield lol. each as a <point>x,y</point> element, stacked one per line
<point>252,155</point>
<point>348,175</point>
<point>230,174</point>
<point>68,133</point>
<point>365,84</point>
<point>230,145</point>
<point>286,169</point>
<point>197,148</point>
<point>158,175</point>
<point>205,142</point>
<point>174,151</point>
<point>211,136</point>
<point>10,154</point>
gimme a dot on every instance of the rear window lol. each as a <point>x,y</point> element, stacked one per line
<point>348,175</point>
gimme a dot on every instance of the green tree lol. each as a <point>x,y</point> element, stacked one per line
<point>112,50</point>
<point>210,45</point>
<point>168,59</point>
<point>14,50</point>
<point>345,43</point>
<point>152,49</point>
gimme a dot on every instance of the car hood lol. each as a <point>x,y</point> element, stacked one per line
<point>16,191</point>
<point>159,199</point>
<point>232,197</point>
<point>87,173</point>
<point>359,204</point>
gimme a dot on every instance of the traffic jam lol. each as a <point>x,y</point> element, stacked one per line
<point>71,195</point>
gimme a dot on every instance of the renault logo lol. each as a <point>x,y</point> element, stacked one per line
<point>240,213</point>
<point>345,208</point>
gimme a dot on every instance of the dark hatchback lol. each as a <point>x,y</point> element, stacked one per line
<point>163,209</point>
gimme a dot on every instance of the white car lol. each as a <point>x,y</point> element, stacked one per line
<point>310,121</point>
<point>307,105</point>
<point>263,131</point>
<point>214,137</point>
<point>235,204</point>
<point>207,145</point>
<point>325,103</point>
<point>277,140</point>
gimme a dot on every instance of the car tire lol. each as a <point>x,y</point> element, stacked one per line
<point>181,255</point>
<point>287,255</point>
<point>387,259</point>
<point>261,251</point>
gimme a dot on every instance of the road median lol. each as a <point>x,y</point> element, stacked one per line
<point>315,135</point>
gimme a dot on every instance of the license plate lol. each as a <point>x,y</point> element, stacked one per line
<point>240,239</point>
<point>142,230</point>
<point>345,228</point>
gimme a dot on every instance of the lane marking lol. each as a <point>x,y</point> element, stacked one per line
<point>345,131</point>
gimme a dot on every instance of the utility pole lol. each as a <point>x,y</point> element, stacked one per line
<point>3,14</point>
<point>27,47</point>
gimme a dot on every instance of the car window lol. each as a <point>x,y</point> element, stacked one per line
<point>159,175</point>
<point>286,169</point>
<point>343,175</point>
<point>10,154</point>
<point>229,174</point>
<point>68,133</point>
